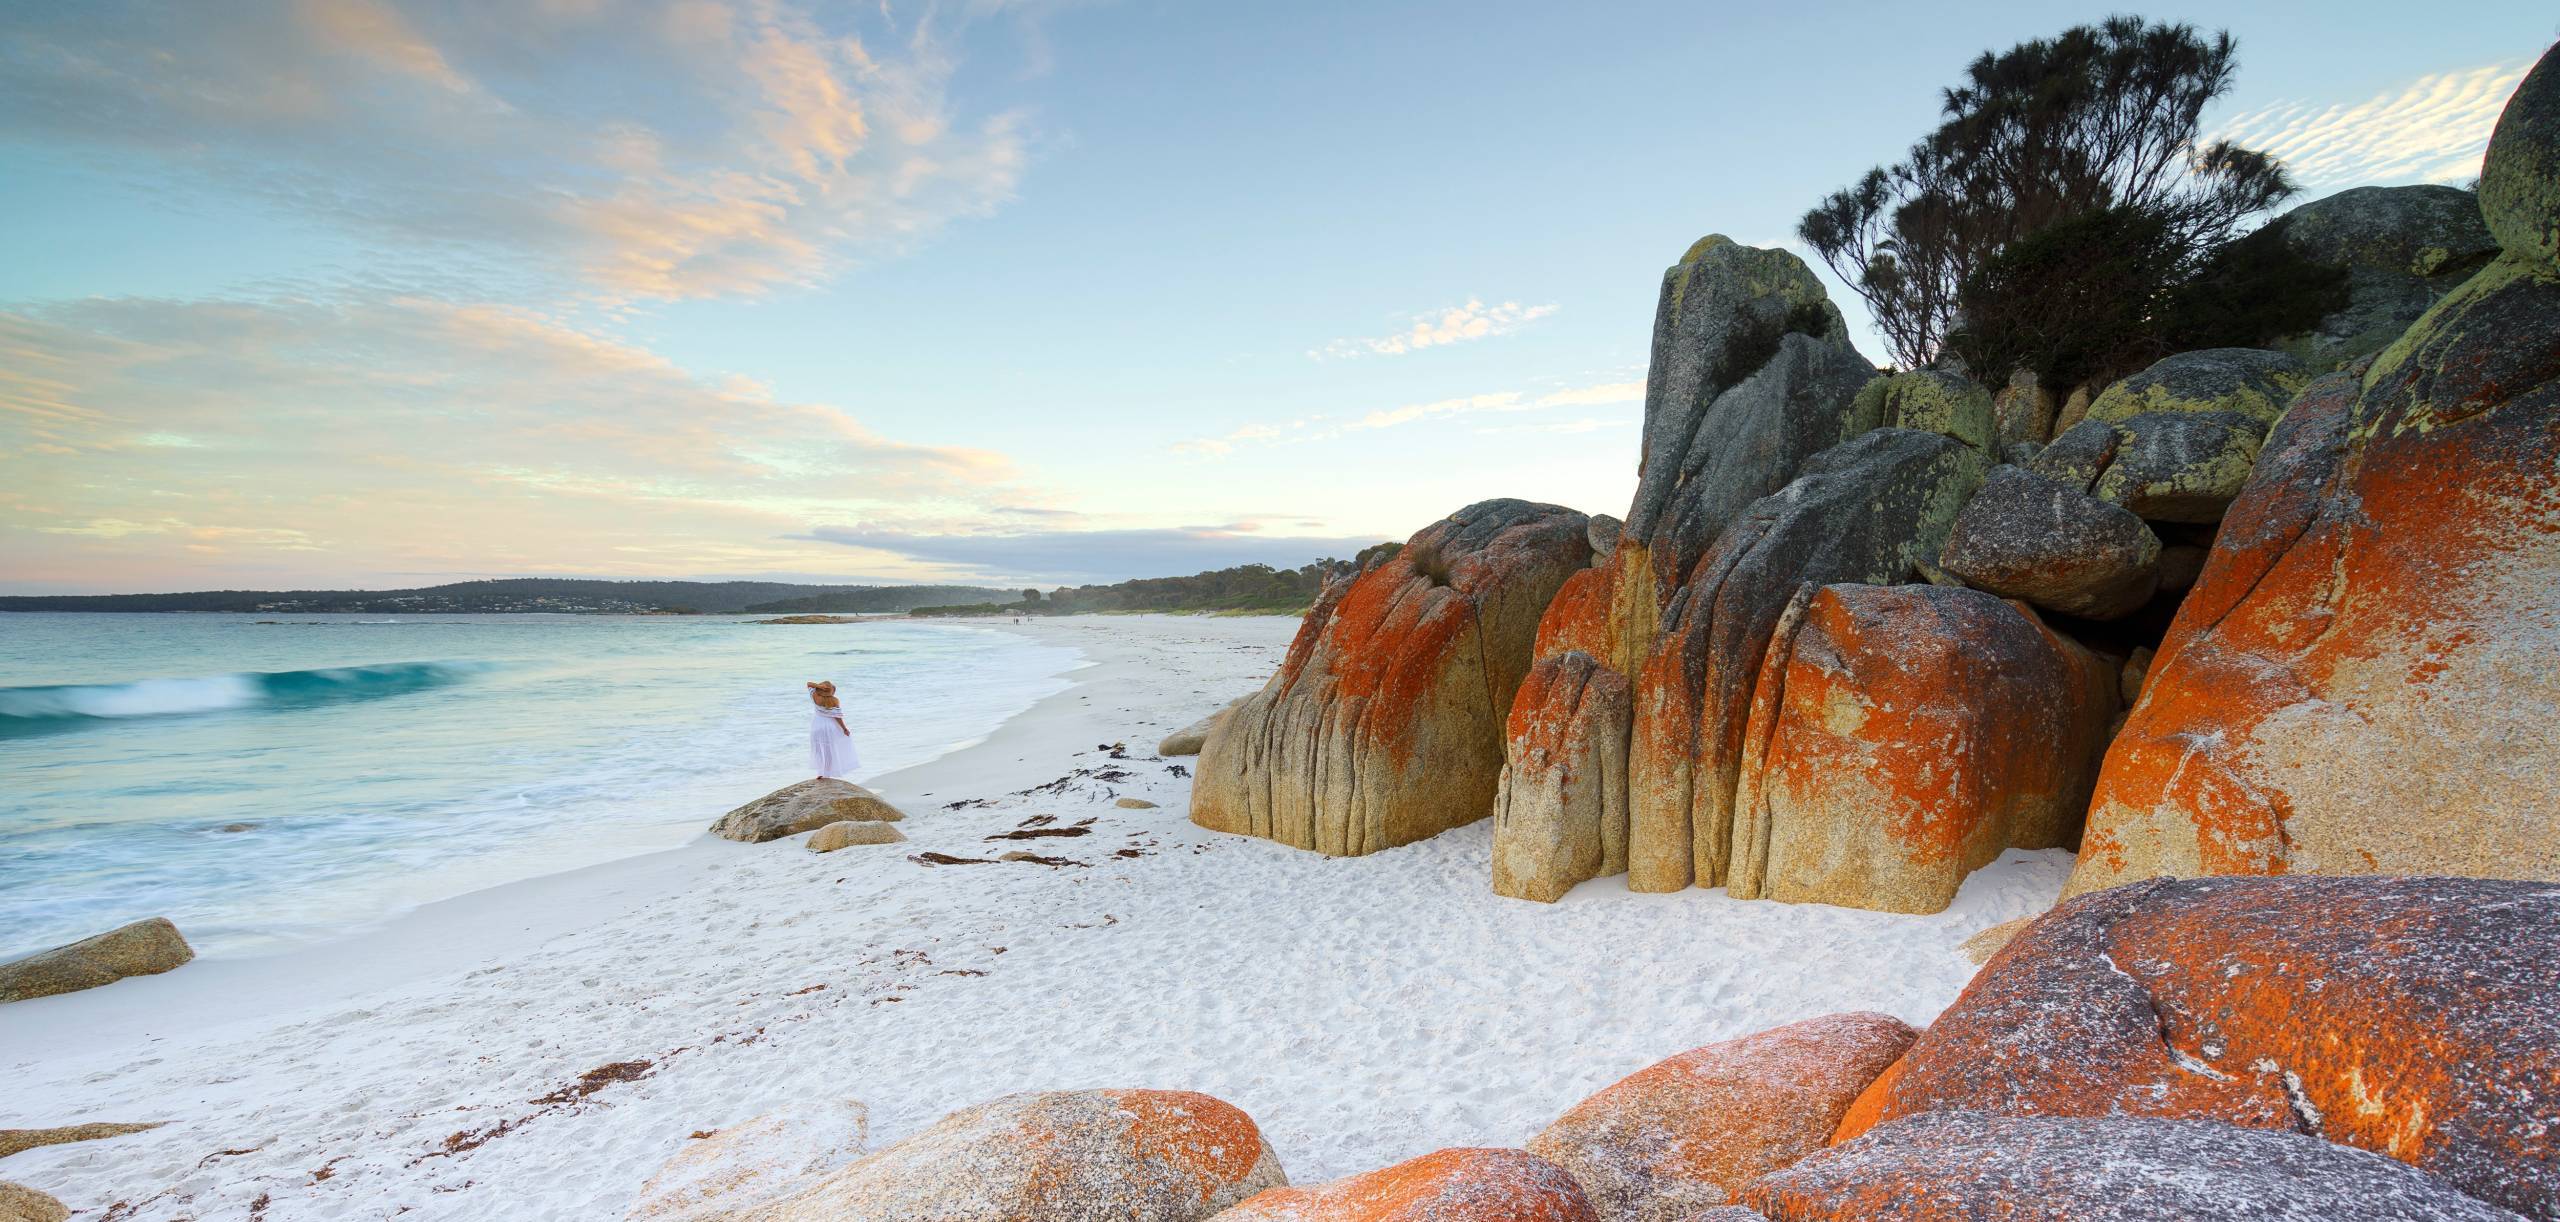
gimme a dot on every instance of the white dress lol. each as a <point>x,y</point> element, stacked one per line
<point>831,750</point>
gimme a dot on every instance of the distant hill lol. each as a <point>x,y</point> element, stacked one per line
<point>1250,588</point>
<point>536,594</point>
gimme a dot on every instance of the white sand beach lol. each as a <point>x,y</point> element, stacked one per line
<point>1361,1010</point>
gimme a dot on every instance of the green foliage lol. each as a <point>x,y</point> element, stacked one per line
<point>2251,293</point>
<point>2098,296</point>
<point>2100,117</point>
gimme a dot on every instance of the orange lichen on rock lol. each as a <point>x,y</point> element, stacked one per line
<point>2362,678</point>
<point>1560,813</point>
<point>1901,737</point>
<point>1385,723</point>
<point>1459,1185</point>
<point>2413,1017</point>
<point>1689,1132</point>
<point>1175,1156</point>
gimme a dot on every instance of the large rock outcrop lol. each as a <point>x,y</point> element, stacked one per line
<point>2411,1017</point>
<point>1901,737</point>
<point>2187,430</point>
<point>144,948</point>
<point>2365,676</point>
<point>1689,1132</point>
<point>1560,813</point>
<point>2098,1169</point>
<point>1875,509</point>
<point>1385,722</point>
<point>1067,1156</point>
<point>2402,248</point>
<point>1458,1185</point>
<point>804,807</point>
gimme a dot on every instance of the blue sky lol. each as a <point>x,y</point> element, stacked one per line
<point>357,292</point>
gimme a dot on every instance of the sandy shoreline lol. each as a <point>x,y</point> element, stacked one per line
<point>1362,1010</point>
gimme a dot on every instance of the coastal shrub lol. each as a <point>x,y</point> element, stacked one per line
<point>2087,300</point>
<point>2102,116</point>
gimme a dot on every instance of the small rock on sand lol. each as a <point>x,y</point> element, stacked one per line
<point>849,833</point>
<point>804,807</point>
<point>143,948</point>
<point>1135,804</point>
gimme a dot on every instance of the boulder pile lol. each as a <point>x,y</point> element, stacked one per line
<point>1859,632</point>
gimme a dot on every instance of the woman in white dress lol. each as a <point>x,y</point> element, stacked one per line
<point>831,751</point>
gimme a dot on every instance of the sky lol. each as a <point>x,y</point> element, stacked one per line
<point>372,293</point>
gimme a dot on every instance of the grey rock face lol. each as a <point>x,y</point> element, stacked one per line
<point>804,807</point>
<point>2520,176</point>
<point>2078,456</point>
<point>2105,1169</point>
<point>144,948</point>
<point>1875,509</point>
<point>2025,536</point>
<point>1724,312</point>
<point>1603,533</point>
<point>2403,249</point>
<point>1752,440</point>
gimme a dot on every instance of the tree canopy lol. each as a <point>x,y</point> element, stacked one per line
<point>2101,117</point>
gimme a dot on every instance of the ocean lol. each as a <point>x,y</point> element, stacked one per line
<point>273,781</point>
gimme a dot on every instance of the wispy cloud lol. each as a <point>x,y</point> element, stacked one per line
<point>1327,427</point>
<point>1456,324</point>
<point>767,147</point>
<point>2431,130</point>
<point>148,439</point>
<point>1082,557</point>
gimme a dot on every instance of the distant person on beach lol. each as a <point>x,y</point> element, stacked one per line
<point>830,739</point>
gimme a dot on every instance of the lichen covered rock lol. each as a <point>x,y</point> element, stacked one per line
<point>2402,248</point>
<point>2412,1017</point>
<point>1459,1185</point>
<point>1689,1132</point>
<point>143,948</point>
<point>2520,173</point>
<point>1874,509</point>
<point>1952,1165</point>
<point>804,807</point>
<point>1385,722</point>
<point>1560,813</point>
<point>1901,737</point>
<point>2363,678</point>
<point>2026,536</point>
<point>1932,401</point>
<point>1067,1156</point>
<point>2252,382</point>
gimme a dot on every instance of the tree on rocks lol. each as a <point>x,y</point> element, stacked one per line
<point>2104,116</point>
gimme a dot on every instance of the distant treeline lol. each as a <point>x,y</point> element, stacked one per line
<point>1249,588</point>
<point>532,594</point>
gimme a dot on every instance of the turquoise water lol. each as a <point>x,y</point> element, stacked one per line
<point>385,762</point>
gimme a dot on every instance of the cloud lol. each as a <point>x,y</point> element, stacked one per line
<point>1326,428</point>
<point>1474,320</point>
<point>147,439</point>
<point>1087,557</point>
<point>2431,130</point>
<point>656,150</point>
